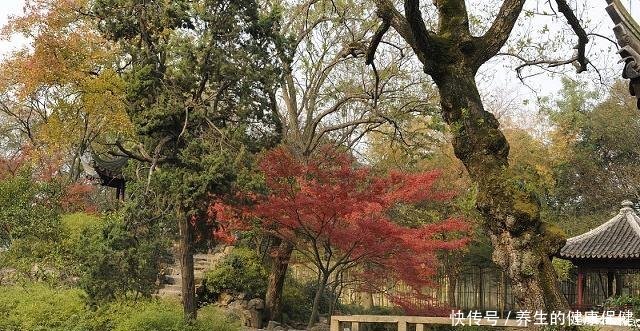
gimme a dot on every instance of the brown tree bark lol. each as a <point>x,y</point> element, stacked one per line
<point>523,244</point>
<point>315,308</point>
<point>186,268</point>
<point>277,275</point>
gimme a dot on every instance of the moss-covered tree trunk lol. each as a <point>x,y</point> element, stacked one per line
<point>451,55</point>
<point>523,244</point>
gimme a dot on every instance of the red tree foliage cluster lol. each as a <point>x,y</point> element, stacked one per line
<point>77,197</point>
<point>336,214</point>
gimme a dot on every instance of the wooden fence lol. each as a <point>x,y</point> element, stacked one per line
<point>489,289</point>
<point>418,323</point>
<point>403,322</point>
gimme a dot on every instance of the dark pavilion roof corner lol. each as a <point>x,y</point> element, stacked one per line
<point>106,168</point>
<point>618,238</point>
<point>627,32</point>
<point>110,166</point>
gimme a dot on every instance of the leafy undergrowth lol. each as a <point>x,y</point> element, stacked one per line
<point>42,308</point>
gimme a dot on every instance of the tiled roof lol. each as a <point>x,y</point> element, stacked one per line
<point>111,167</point>
<point>619,238</point>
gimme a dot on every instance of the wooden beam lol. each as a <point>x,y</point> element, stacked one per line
<point>580,288</point>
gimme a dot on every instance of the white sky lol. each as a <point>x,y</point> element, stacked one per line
<point>7,8</point>
<point>502,89</point>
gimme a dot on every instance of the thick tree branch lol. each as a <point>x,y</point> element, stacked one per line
<point>416,23</point>
<point>453,19</point>
<point>387,11</point>
<point>583,39</point>
<point>375,41</point>
<point>493,40</point>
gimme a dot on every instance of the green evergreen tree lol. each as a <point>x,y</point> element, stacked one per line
<point>200,79</point>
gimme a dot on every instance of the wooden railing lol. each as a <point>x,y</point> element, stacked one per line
<point>402,321</point>
<point>420,322</point>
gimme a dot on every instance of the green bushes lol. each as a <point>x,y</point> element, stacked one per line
<point>116,261</point>
<point>29,224</point>
<point>240,271</point>
<point>298,300</point>
<point>623,303</point>
<point>354,309</point>
<point>39,307</point>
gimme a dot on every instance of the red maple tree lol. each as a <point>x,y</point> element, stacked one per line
<point>336,214</point>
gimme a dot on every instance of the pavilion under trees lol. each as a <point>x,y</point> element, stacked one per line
<point>107,170</point>
<point>611,251</point>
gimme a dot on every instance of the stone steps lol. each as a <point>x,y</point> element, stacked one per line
<point>171,282</point>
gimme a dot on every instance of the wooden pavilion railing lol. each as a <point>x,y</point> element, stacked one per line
<point>420,322</point>
<point>403,321</point>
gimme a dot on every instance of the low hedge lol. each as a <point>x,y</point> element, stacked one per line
<point>42,308</point>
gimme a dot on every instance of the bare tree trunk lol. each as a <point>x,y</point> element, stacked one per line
<point>322,283</point>
<point>336,291</point>
<point>523,244</point>
<point>451,290</point>
<point>277,275</point>
<point>186,268</point>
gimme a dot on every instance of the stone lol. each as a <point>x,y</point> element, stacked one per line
<point>225,298</point>
<point>320,327</point>
<point>272,325</point>
<point>255,317</point>
<point>256,303</point>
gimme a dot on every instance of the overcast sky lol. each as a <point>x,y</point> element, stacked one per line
<point>7,8</point>
<point>500,85</point>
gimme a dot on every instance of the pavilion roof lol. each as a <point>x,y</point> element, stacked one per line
<point>111,167</point>
<point>618,238</point>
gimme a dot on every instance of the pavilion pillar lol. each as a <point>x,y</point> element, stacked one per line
<point>580,287</point>
<point>610,280</point>
<point>618,284</point>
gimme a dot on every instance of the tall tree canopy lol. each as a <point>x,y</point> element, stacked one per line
<point>329,96</point>
<point>596,148</point>
<point>61,92</point>
<point>198,79</point>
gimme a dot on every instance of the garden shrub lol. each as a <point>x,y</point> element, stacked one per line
<point>211,318</point>
<point>159,315</point>
<point>43,308</point>
<point>623,303</point>
<point>29,224</point>
<point>354,309</point>
<point>152,316</point>
<point>39,307</point>
<point>117,262</point>
<point>240,271</point>
<point>75,224</point>
<point>297,297</point>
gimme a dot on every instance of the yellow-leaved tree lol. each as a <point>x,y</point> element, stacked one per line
<point>61,91</point>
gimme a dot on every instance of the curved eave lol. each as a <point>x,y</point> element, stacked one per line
<point>618,238</point>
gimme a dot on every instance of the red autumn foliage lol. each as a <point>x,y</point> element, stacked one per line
<point>336,214</point>
<point>10,163</point>
<point>77,198</point>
